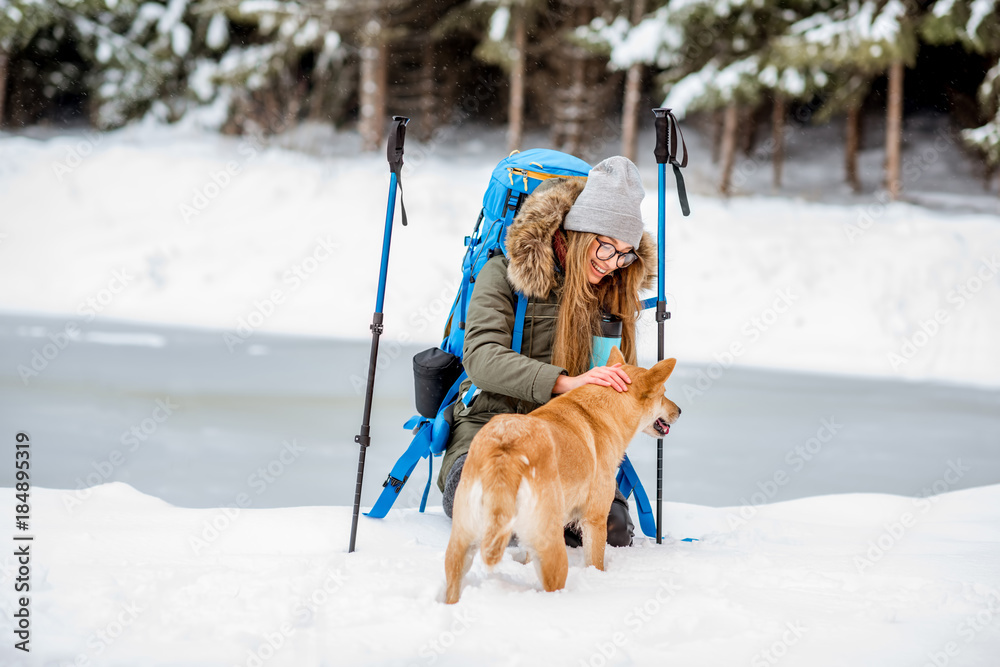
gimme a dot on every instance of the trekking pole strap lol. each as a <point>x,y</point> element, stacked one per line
<point>394,153</point>
<point>667,133</point>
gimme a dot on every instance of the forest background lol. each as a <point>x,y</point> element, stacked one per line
<point>741,70</point>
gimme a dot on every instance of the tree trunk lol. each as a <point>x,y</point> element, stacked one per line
<point>515,107</point>
<point>4,60</point>
<point>718,130</point>
<point>729,132</point>
<point>630,112</point>
<point>428,90</point>
<point>316,96</point>
<point>749,134</point>
<point>778,134</point>
<point>573,102</point>
<point>894,130</point>
<point>633,90</point>
<point>373,83</point>
<point>851,150</point>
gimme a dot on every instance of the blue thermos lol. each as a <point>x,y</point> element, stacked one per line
<point>610,336</point>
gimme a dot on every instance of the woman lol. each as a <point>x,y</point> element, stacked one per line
<point>576,251</point>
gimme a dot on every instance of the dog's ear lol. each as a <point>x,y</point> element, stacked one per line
<point>658,374</point>
<point>615,357</point>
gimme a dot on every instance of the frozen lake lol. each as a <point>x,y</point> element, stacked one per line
<point>176,414</point>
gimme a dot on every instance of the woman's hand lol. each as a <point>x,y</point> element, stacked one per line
<point>606,376</point>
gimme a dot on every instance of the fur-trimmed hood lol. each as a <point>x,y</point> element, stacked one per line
<point>531,258</point>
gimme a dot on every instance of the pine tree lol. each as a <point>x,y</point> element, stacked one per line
<point>854,42</point>
<point>633,89</point>
<point>20,21</point>
<point>136,53</point>
<point>976,25</point>
<point>505,43</point>
<point>256,85</point>
<point>722,57</point>
<point>631,44</point>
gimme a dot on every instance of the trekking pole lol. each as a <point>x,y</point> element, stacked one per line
<point>665,151</point>
<point>394,153</point>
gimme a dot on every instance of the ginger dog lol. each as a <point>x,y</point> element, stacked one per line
<point>532,474</point>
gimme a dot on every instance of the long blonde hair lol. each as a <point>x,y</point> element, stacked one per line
<point>581,304</point>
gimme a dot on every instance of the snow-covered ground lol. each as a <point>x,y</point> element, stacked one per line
<point>165,226</point>
<point>863,580</point>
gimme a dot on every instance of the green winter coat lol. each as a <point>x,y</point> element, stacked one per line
<point>513,383</point>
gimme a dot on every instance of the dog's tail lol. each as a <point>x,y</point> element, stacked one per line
<point>501,484</point>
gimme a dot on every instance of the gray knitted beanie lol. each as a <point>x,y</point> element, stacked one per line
<point>609,203</point>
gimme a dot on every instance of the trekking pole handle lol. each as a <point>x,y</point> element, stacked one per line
<point>394,153</point>
<point>662,124</point>
<point>669,141</point>
<point>394,149</point>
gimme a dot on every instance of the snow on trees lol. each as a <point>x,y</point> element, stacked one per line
<point>570,65</point>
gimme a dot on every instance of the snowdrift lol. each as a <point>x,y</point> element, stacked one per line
<point>121,578</point>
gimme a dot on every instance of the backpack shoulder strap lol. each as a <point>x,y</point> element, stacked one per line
<point>517,337</point>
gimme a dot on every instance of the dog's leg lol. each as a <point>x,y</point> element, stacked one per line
<point>457,561</point>
<point>594,527</point>
<point>461,545</point>
<point>551,562</point>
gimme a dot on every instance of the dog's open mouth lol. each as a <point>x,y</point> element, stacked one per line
<point>661,427</point>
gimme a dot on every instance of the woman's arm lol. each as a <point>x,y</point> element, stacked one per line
<point>606,376</point>
<point>487,356</point>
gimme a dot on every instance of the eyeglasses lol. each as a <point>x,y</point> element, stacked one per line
<point>606,251</point>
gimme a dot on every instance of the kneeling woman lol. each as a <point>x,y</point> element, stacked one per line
<point>576,252</point>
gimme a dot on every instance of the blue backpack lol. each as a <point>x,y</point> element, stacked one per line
<point>513,179</point>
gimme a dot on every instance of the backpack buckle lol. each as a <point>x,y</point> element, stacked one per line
<point>397,484</point>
